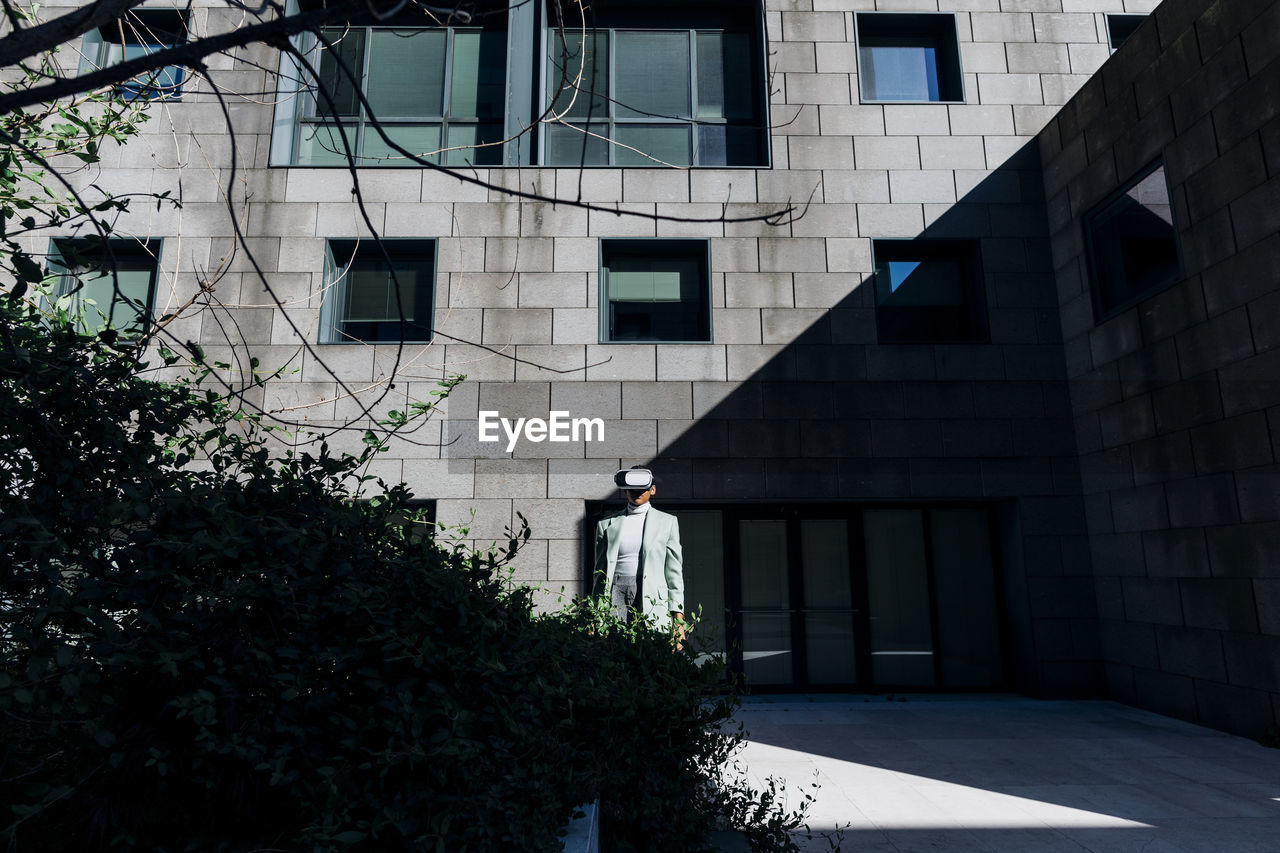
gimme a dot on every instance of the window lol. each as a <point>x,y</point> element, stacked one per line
<point>369,299</point>
<point>628,93</point>
<point>141,32</point>
<point>655,291</point>
<point>909,58</point>
<point>1132,243</point>
<point>929,291</point>
<point>106,285</point>
<point>1120,27</point>
<point>437,92</point>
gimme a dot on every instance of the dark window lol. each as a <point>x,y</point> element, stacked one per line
<point>106,285</point>
<point>141,32</point>
<point>929,291</point>
<point>655,290</point>
<point>1133,249</point>
<point>367,299</point>
<point>437,92</point>
<point>1120,27</point>
<point>908,58</point>
<point>629,92</point>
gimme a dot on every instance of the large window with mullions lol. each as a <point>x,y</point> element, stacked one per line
<point>665,87</point>
<point>436,92</point>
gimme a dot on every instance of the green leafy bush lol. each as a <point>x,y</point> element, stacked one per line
<point>205,646</point>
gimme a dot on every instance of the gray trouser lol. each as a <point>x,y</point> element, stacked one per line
<point>626,590</point>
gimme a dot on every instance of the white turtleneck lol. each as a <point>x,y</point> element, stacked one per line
<point>630,540</point>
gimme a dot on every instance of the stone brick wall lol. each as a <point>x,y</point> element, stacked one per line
<point>794,400</point>
<point>1176,401</point>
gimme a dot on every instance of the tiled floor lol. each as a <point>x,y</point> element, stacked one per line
<point>1006,773</point>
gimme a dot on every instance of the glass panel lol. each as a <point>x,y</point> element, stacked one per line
<point>162,83</point>
<point>462,141</point>
<point>824,549</point>
<point>406,73</point>
<point>571,145</point>
<point>729,145</point>
<point>905,71</point>
<point>366,291</point>
<point>101,300</point>
<point>711,75</point>
<point>644,285</point>
<point>349,45</point>
<point>968,625</point>
<point>655,298</point>
<point>142,33</point>
<point>371,297</point>
<point>420,139</point>
<point>1133,241</point>
<point>702,537</point>
<point>579,74</point>
<point>829,647</point>
<point>479,83</point>
<point>898,598</point>
<point>764,564</point>
<point>133,294</point>
<point>766,648</point>
<point>928,281</point>
<point>724,76</point>
<point>712,145</point>
<point>321,145</point>
<point>667,144</point>
<point>652,77</point>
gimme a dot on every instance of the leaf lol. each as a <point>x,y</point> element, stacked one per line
<point>351,836</point>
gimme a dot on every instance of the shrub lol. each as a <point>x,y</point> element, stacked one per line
<point>208,647</point>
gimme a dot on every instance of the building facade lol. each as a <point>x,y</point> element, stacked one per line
<point>881,289</point>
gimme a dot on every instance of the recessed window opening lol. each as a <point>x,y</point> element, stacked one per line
<point>437,92</point>
<point>929,291</point>
<point>655,291</point>
<point>631,92</point>
<point>369,299</point>
<point>1120,27</point>
<point>1132,242</point>
<point>140,32</point>
<point>106,284</point>
<point>908,57</point>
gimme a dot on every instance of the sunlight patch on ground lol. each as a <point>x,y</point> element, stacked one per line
<point>866,796</point>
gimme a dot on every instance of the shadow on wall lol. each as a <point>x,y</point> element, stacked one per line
<point>831,415</point>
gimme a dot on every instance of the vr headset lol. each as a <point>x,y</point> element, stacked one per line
<point>633,479</point>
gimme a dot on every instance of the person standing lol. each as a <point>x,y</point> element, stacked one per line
<point>639,566</point>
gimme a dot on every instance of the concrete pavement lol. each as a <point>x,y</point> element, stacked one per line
<point>1007,773</point>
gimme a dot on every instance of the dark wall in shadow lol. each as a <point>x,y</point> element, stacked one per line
<point>836,416</point>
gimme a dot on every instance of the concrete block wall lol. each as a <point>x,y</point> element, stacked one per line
<point>1176,401</point>
<point>794,399</point>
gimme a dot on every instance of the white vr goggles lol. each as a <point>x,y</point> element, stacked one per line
<point>634,479</point>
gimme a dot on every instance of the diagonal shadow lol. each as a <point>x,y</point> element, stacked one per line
<point>832,416</point>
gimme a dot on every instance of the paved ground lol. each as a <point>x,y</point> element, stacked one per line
<point>1008,773</point>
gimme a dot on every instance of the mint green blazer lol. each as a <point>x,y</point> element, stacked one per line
<point>661,563</point>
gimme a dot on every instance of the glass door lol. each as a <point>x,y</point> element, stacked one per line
<point>829,616</point>
<point>847,597</point>
<point>765,611</point>
<point>797,620</point>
